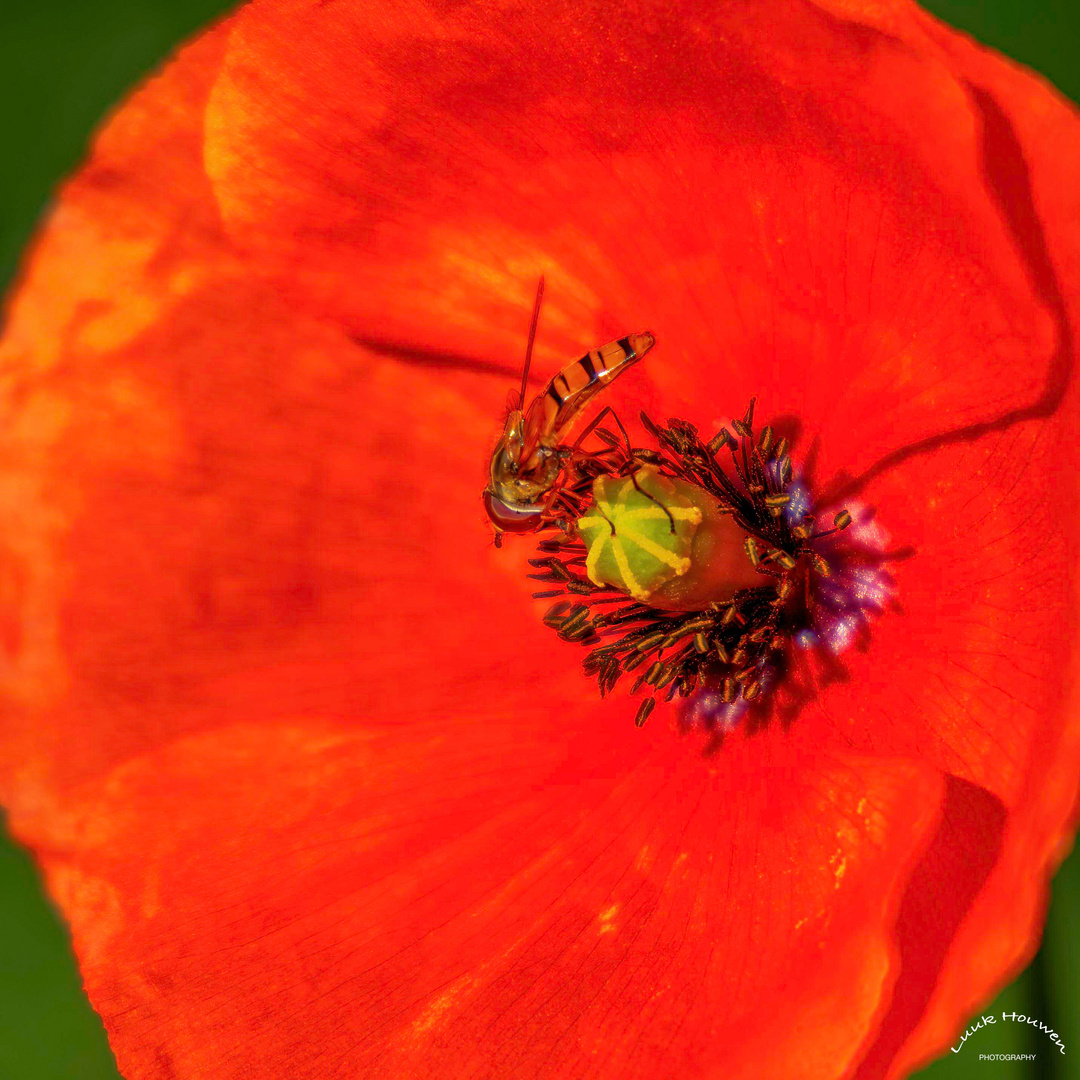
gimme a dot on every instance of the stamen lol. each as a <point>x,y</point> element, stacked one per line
<point>644,709</point>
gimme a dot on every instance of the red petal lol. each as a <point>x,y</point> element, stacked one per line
<point>758,187</point>
<point>510,909</point>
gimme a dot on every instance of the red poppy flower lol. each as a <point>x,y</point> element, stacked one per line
<point>316,789</point>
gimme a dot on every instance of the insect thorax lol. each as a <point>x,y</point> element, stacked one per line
<point>525,482</point>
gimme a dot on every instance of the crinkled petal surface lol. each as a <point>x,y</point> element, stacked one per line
<point>317,792</point>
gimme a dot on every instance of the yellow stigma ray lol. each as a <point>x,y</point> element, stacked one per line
<point>679,564</point>
<point>639,534</point>
<point>633,587</point>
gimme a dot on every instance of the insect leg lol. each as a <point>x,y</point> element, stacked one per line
<point>642,491</point>
<point>629,454</point>
<point>615,417</point>
<point>591,427</point>
<point>633,477</point>
<point>630,457</point>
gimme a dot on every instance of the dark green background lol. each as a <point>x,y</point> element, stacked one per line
<point>63,64</point>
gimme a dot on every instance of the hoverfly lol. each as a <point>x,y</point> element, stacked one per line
<point>530,454</point>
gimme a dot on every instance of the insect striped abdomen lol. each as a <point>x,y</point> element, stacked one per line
<point>573,388</point>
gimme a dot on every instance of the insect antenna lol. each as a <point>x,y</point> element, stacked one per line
<point>532,338</point>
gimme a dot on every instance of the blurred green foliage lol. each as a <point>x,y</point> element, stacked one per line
<point>63,65</point>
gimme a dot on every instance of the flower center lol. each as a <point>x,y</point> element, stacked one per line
<point>700,567</point>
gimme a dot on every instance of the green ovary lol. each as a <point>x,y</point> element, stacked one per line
<point>638,538</point>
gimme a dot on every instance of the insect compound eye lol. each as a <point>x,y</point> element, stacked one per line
<point>511,518</point>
